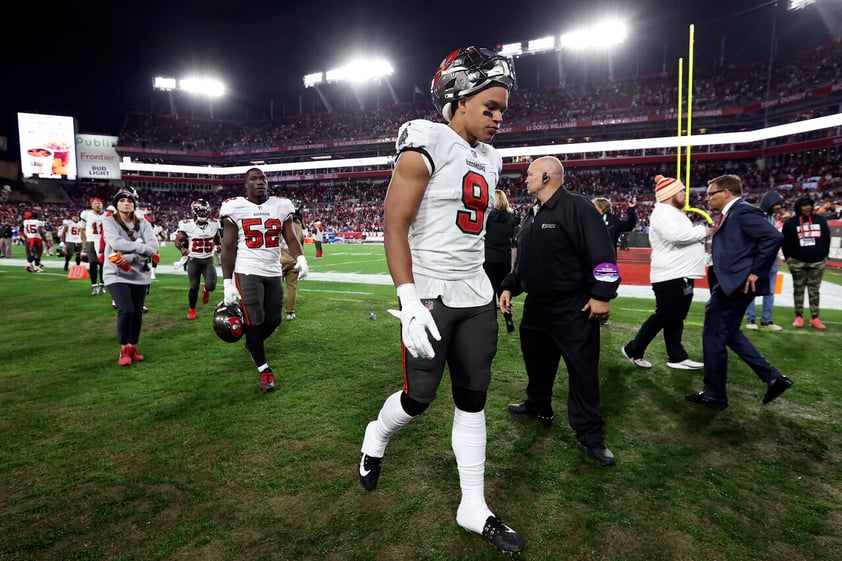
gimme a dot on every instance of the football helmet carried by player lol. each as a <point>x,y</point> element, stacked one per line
<point>201,210</point>
<point>125,192</point>
<point>228,322</point>
<point>296,205</point>
<point>467,71</point>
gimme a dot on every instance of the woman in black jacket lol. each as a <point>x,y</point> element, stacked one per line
<point>500,233</point>
<point>615,225</point>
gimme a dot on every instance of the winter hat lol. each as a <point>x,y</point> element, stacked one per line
<point>667,187</point>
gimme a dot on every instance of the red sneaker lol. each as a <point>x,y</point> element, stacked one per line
<point>267,381</point>
<point>816,323</point>
<point>136,356</point>
<point>205,295</point>
<point>191,313</point>
<point>125,356</point>
<point>799,322</point>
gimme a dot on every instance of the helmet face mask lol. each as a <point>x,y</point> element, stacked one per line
<point>296,209</point>
<point>467,71</point>
<point>201,210</point>
<point>228,322</point>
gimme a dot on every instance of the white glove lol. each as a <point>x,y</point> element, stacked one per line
<point>303,268</point>
<point>62,245</point>
<point>416,320</point>
<point>181,263</point>
<point>231,293</point>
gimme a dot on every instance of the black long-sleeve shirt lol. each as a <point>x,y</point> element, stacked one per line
<point>616,226</point>
<point>563,247</point>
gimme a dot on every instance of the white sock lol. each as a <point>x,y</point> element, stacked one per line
<point>390,419</point>
<point>468,441</point>
<point>263,367</point>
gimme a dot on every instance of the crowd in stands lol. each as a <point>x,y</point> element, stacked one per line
<point>732,86</point>
<point>357,206</point>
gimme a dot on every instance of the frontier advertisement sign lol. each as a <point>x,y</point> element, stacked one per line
<point>96,156</point>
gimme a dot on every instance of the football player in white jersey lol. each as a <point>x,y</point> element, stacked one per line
<point>34,234</point>
<point>198,238</point>
<point>71,239</point>
<point>252,227</point>
<point>92,240</point>
<point>434,217</point>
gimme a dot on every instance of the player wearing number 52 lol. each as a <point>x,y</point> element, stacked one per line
<point>252,227</point>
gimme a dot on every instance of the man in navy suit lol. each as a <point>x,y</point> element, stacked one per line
<point>743,248</point>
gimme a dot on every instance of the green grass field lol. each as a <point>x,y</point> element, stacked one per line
<point>181,457</point>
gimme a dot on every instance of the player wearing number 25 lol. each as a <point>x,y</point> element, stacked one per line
<point>252,227</point>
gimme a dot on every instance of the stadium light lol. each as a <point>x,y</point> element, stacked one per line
<point>197,86</point>
<point>511,49</point>
<point>357,71</point>
<point>206,86</point>
<point>541,45</point>
<point>604,34</point>
<point>164,84</point>
<point>311,80</point>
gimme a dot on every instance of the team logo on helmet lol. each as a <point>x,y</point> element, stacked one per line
<point>228,322</point>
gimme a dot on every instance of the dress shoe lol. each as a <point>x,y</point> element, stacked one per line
<point>600,453</point>
<point>776,388</point>
<point>703,399</point>
<point>521,410</point>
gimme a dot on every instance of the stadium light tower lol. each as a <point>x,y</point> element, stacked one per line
<point>166,85</point>
<point>356,72</point>
<point>603,35</point>
<point>210,87</point>
<point>600,36</point>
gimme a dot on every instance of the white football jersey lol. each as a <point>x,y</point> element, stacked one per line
<point>32,228</point>
<point>447,236</point>
<point>93,225</point>
<point>259,233</point>
<point>200,237</point>
<point>72,231</point>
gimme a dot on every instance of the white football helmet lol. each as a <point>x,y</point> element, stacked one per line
<point>467,71</point>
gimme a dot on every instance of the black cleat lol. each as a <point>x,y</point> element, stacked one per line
<point>502,537</point>
<point>369,471</point>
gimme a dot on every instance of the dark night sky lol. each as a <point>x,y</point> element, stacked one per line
<point>97,62</point>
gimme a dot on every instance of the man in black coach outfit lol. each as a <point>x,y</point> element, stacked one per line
<point>567,267</point>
